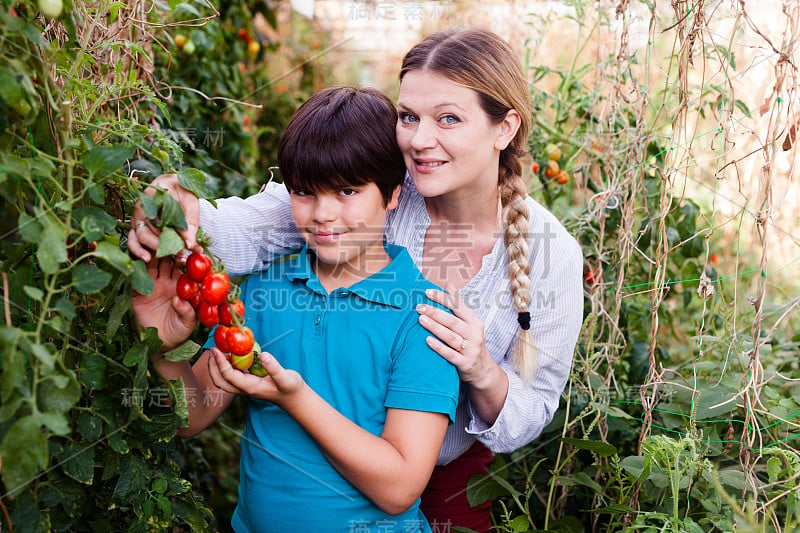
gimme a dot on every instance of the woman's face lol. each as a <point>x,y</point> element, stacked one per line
<point>447,139</point>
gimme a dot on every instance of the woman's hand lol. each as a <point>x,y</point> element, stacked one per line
<point>143,236</point>
<point>174,318</point>
<point>461,341</point>
<point>279,386</point>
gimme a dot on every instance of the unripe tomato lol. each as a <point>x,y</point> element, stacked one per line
<point>554,154</point>
<point>240,340</point>
<point>220,338</point>
<point>181,40</point>
<point>208,314</point>
<point>551,170</point>
<point>51,8</point>
<point>198,266</point>
<point>187,288</point>
<point>189,47</point>
<point>253,48</point>
<point>227,312</point>
<point>257,369</point>
<point>214,288</point>
<point>242,362</point>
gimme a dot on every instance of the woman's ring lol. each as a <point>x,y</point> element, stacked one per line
<point>463,344</point>
<point>139,225</point>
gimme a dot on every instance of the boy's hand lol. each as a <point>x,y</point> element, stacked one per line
<point>174,318</point>
<point>279,386</point>
<point>143,237</point>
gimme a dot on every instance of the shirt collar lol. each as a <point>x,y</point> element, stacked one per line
<point>399,277</point>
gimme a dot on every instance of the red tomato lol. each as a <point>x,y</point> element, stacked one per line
<point>219,338</point>
<point>198,266</point>
<point>242,362</point>
<point>196,300</point>
<point>227,311</point>
<point>214,288</point>
<point>240,340</point>
<point>187,288</point>
<point>208,314</point>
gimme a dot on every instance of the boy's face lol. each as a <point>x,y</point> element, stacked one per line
<point>344,228</point>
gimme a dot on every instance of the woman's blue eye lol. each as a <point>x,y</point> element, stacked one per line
<point>407,117</point>
<point>450,119</point>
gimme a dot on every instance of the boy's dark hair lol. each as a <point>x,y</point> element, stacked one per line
<point>342,137</point>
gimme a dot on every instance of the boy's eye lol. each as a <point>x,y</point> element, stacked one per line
<point>302,192</point>
<point>407,117</point>
<point>348,192</point>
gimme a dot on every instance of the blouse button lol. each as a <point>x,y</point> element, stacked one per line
<point>317,320</point>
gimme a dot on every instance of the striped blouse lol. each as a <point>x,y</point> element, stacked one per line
<point>249,233</point>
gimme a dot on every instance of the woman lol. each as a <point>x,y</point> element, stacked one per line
<point>463,122</point>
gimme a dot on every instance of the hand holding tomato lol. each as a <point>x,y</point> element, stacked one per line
<point>280,386</point>
<point>162,309</point>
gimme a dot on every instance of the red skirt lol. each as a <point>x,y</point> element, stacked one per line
<point>444,501</point>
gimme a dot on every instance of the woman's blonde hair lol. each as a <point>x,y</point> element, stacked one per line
<point>482,61</point>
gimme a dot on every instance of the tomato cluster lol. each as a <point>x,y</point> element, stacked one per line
<point>210,293</point>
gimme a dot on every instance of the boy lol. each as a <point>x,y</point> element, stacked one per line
<point>344,432</point>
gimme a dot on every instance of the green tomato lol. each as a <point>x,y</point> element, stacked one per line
<point>257,369</point>
<point>51,8</point>
<point>188,47</point>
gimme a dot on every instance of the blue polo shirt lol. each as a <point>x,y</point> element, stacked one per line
<point>362,350</point>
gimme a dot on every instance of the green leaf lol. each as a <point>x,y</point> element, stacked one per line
<point>93,371</point>
<point>34,292</point>
<point>774,468</point>
<point>121,306</point>
<point>88,278</point>
<point>52,248</point>
<point>634,465</point>
<point>132,479</point>
<point>24,452</point>
<point>111,254</point>
<point>617,508</point>
<point>95,223</point>
<point>42,353</point>
<point>733,478</point>
<point>65,307</point>
<point>29,229</point>
<point>520,524</point>
<point>169,243</point>
<point>184,352</point>
<point>172,214</point>
<point>582,479</point>
<point>59,393</point>
<point>141,280</point>
<point>149,205</point>
<point>90,426</point>
<point>101,161</point>
<point>136,355</point>
<point>55,422</point>
<point>78,462</point>
<point>194,180</point>
<point>603,449</point>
